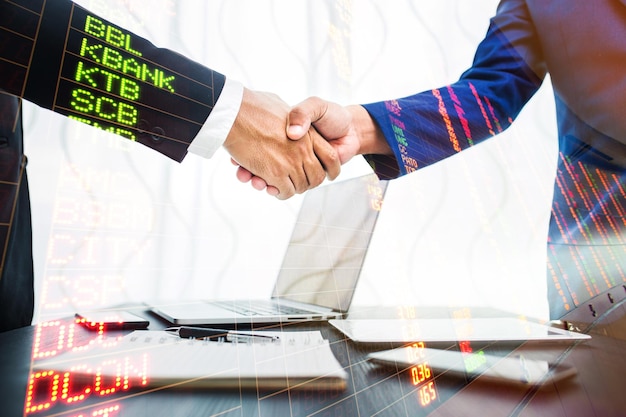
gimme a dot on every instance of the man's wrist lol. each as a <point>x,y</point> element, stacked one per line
<point>370,136</point>
<point>220,121</point>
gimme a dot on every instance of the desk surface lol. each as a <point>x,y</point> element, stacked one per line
<point>596,390</point>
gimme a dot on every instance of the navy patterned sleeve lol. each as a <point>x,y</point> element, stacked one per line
<point>427,127</point>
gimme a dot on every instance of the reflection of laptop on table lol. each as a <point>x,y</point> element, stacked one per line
<point>321,266</point>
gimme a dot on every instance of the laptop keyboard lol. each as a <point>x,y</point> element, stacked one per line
<point>260,308</point>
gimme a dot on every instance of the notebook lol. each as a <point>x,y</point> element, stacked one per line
<point>497,329</point>
<point>146,359</point>
<point>320,268</point>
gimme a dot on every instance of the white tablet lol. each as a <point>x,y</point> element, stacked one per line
<point>451,330</point>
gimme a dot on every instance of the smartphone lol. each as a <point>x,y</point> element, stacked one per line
<point>111,320</point>
<point>515,370</point>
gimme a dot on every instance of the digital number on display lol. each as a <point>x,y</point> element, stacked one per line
<point>104,76</point>
<point>49,388</point>
<point>421,374</point>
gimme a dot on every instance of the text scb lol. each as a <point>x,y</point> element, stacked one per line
<point>111,76</point>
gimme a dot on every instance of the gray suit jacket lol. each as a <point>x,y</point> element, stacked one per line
<point>584,50</point>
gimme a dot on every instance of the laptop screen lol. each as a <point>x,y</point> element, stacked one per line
<point>329,243</point>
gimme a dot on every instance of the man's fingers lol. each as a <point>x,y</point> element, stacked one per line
<point>243,174</point>
<point>258,183</point>
<point>273,191</point>
<point>315,173</point>
<point>334,123</point>
<point>303,114</point>
<point>286,189</point>
<point>297,131</point>
<point>327,155</point>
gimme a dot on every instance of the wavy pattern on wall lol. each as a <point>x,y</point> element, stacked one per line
<point>116,222</point>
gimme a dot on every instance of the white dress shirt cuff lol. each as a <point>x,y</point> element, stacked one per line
<point>221,119</point>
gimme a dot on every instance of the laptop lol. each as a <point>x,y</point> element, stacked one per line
<point>321,266</point>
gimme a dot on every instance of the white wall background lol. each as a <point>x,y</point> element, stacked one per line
<point>117,222</point>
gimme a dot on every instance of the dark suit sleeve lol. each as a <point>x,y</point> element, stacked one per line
<point>427,127</point>
<point>66,59</point>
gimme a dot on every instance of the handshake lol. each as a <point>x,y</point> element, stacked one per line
<point>290,150</point>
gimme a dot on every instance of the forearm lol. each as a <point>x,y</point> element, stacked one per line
<point>68,60</point>
<point>425,128</point>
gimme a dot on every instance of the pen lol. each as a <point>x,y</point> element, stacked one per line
<point>188,332</point>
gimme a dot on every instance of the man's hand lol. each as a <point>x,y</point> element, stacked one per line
<point>258,143</point>
<point>311,118</point>
<point>350,129</point>
<point>332,121</point>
